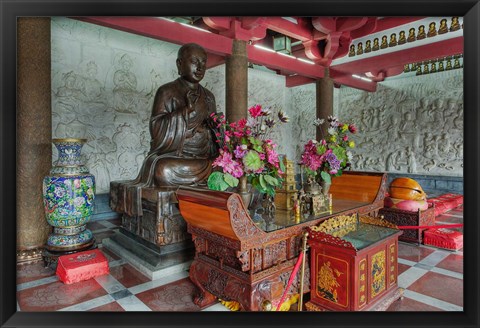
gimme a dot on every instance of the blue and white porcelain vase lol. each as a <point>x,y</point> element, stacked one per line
<point>68,197</point>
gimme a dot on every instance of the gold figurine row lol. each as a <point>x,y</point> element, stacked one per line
<point>435,65</point>
<point>413,35</point>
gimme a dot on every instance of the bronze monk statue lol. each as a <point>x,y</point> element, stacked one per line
<point>182,146</point>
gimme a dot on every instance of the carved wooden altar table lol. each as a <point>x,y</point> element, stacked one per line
<point>244,256</point>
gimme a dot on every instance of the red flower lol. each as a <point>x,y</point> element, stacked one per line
<point>352,128</point>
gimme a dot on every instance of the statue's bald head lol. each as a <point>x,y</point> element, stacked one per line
<point>186,48</point>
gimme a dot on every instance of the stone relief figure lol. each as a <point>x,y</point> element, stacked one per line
<point>182,146</point>
<point>423,112</point>
<point>393,128</point>
<point>94,90</point>
<point>391,161</point>
<point>436,111</point>
<point>411,162</point>
<point>444,146</point>
<point>125,90</point>
<point>429,146</point>
<point>408,124</point>
<point>458,120</point>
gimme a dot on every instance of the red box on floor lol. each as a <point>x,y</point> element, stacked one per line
<point>443,238</point>
<point>82,266</point>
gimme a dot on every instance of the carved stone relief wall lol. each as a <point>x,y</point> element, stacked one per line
<point>409,125</point>
<point>103,85</point>
<point>412,124</point>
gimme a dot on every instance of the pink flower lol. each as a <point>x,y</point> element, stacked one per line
<point>238,134</point>
<point>255,111</point>
<point>242,123</point>
<point>226,161</point>
<point>272,157</point>
<point>345,138</point>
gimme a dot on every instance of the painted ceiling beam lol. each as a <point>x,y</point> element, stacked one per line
<point>286,64</point>
<point>350,81</point>
<point>297,80</point>
<point>292,30</point>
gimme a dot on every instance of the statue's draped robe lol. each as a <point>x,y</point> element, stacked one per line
<point>182,148</point>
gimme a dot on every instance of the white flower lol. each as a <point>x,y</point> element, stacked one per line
<point>318,121</point>
<point>332,131</point>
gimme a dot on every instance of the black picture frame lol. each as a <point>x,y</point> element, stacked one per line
<point>10,10</point>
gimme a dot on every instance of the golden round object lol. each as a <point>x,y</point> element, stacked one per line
<point>267,305</point>
<point>406,188</point>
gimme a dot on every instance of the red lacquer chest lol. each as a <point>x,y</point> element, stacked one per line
<point>353,264</point>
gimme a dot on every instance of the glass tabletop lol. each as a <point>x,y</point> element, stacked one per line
<point>362,235</point>
<point>286,218</point>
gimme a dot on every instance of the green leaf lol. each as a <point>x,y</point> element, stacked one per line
<point>321,149</point>
<point>271,180</point>
<point>282,166</point>
<point>270,191</point>
<point>340,152</point>
<point>261,179</point>
<point>230,180</point>
<point>256,144</point>
<point>216,181</point>
<point>252,160</point>
<point>326,177</point>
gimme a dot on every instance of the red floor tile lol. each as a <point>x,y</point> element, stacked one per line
<point>128,275</point>
<point>413,252</point>
<point>33,271</point>
<point>177,296</point>
<point>57,295</point>
<point>407,304</point>
<point>402,268</point>
<point>440,286</point>
<point>110,307</point>
<point>452,262</point>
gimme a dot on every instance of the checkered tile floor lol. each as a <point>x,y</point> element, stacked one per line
<point>432,279</point>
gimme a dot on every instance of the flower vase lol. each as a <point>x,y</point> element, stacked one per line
<point>68,196</point>
<point>325,187</point>
<point>244,191</point>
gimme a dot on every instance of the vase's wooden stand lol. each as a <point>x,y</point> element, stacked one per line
<point>236,260</point>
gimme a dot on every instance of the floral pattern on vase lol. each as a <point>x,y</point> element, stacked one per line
<point>68,195</point>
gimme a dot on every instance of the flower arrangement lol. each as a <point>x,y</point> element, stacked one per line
<point>329,156</point>
<point>246,150</point>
